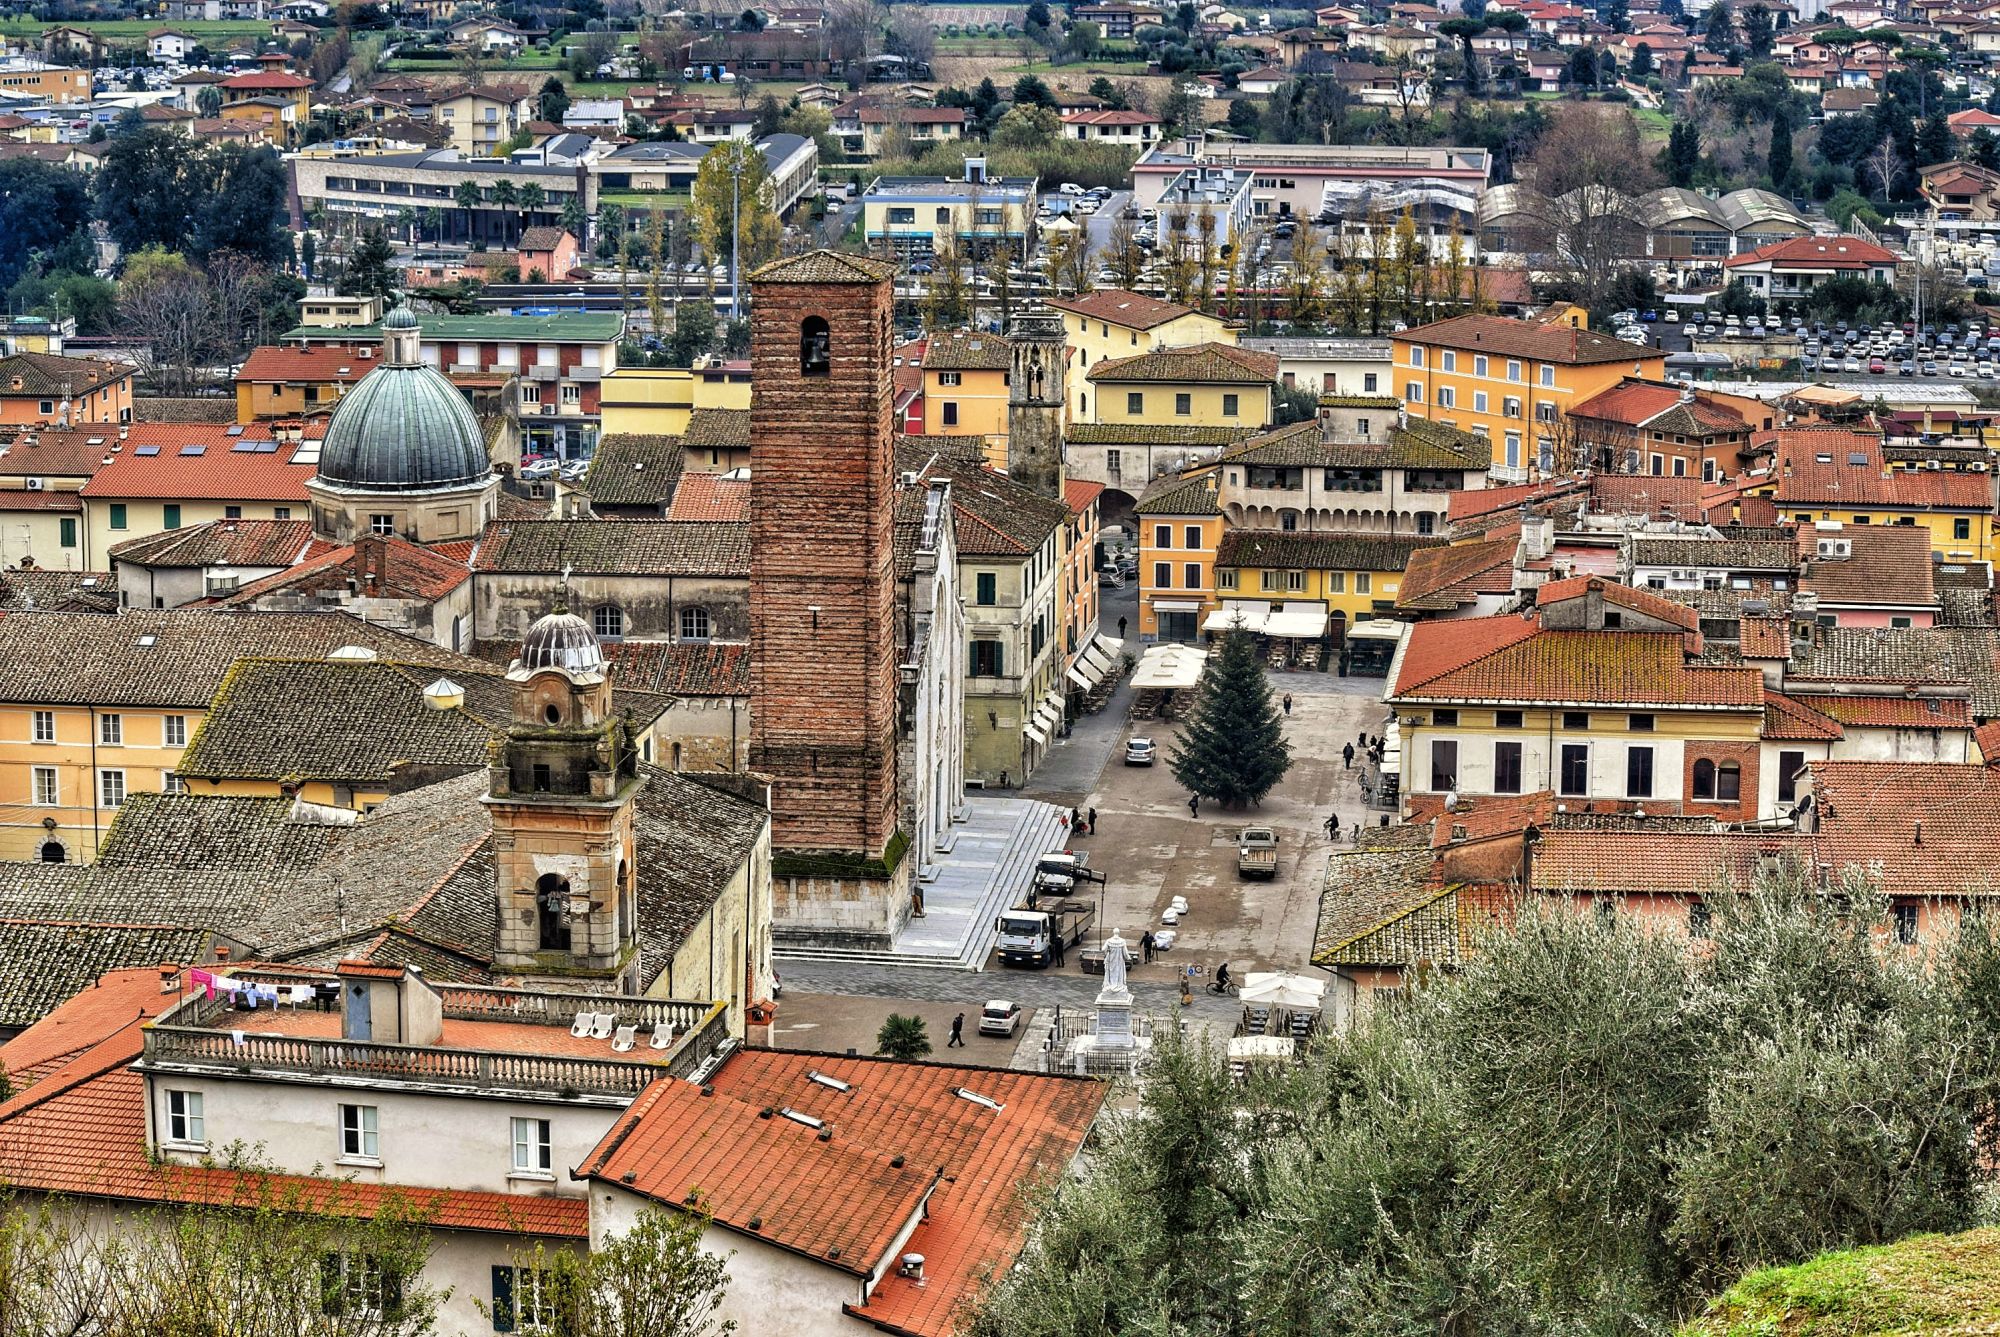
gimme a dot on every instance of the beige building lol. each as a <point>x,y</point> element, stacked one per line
<point>481,120</point>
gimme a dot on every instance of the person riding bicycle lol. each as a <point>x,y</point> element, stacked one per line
<point>1221,982</point>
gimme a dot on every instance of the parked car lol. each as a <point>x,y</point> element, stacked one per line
<point>533,469</point>
<point>1069,188</point>
<point>1140,752</point>
<point>999,1017</point>
<point>1110,578</point>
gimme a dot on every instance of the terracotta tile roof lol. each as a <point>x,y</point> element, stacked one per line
<point>1319,552</point>
<point>1891,712</point>
<point>1890,565</point>
<point>1079,494</point>
<point>48,374</point>
<point>220,408</point>
<point>1646,495</point>
<point>268,79</point>
<point>1869,814</point>
<point>224,543</point>
<point>1633,401</point>
<point>23,500</point>
<point>681,668</point>
<point>75,1007</point>
<point>1416,444</point>
<point>902,1140</point>
<point>346,722</point>
<point>825,267</point>
<point>1766,638</point>
<point>1920,656</point>
<point>718,429</point>
<point>1723,554</point>
<point>616,547</point>
<point>1788,719</point>
<point>1843,468</point>
<point>175,657</point>
<point>1526,339</point>
<point>965,350</point>
<point>70,452</point>
<point>1380,907</point>
<point>994,515</point>
<point>1815,253</point>
<point>81,1131</point>
<point>1516,661</point>
<point>1152,434</point>
<point>1442,579</point>
<point>1109,117</point>
<point>541,239</point>
<point>1987,738</point>
<point>1116,306</point>
<point>202,461</point>
<point>323,364</point>
<point>1624,596</point>
<point>1664,862</point>
<point>1475,502</point>
<point>388,566</point>
<point>1196,364</point>
<point>702,496</point>
<point>58,591</point>
<point>1180,496</point>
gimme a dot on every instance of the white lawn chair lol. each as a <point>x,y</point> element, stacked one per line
<point>627,1037</point>
<point>663,1035</point>
<point>580,1028</point>
<point>601,1029</point>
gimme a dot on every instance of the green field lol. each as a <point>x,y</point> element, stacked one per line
<point>123,30</point>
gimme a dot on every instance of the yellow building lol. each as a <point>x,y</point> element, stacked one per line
<point>1833,474</point>
<point>172,475</point>
<point>1206,385</point>
<point>1348,577</point>
<point>1512,381</point>
<point>42,389</point>
<point>41,514</point>
<point>1114,323</point>
<point>661,401</point>
<point>96,707</point>
<point>1180,529</point>
<point>56,83</point>
<point>340,313</point>
<point>291,380</point>
<point>965,387</point>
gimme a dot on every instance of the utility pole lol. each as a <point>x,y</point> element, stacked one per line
<point>735,233</point>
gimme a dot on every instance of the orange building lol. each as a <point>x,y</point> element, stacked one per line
<point>1513,381</point>
<point>42,388</point>
<point>293,380</point>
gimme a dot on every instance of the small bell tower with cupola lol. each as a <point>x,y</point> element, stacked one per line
<point>561,791</point>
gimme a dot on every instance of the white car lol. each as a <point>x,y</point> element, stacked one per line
<point>1140,752</point>
<point>1069,188</point>
<point>999,1017</point>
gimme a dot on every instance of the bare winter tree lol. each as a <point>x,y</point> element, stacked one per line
<point>1581,191</point>
<point>1884,164</point>
<point>170,306</point>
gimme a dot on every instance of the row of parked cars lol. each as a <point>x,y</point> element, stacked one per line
<point>1971,350</point>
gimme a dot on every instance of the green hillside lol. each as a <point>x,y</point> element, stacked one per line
<point>1939,1285</point>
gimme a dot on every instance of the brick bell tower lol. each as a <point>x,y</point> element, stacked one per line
<point>1035,402</point>
<point>823,677</point>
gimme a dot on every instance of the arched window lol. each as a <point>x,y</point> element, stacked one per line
<point>608,621</point>
<point>1729,781</point>
<point>1288,520</point>
<point>53,852</point>
<point>551,894</point>
<point>694,624</point>
<point>815,348</point>
<point>1704,778</point>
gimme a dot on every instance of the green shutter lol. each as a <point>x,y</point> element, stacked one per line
<point>503,1299</point>
<point>170,517</point>
<point>117,515</point>
<point>68,532</point>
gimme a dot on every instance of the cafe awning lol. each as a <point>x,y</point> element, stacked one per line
<point>1169,667</point>
<point>1297,624</point>
<point>1380,629</point>
<point>1239,615</point>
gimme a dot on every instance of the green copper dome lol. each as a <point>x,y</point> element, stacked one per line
<point>403,427</point>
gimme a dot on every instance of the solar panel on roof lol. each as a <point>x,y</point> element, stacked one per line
<point>147,450</point>
<point>243,447</point>
<point>1856,457</point>
<point>194,450</point>
<point>267,447</point>
<point>234,431</point>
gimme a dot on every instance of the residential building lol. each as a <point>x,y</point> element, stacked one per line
<point>1127,129</point>
<point>560,360</point>
<point>1205,207</point>
<point>177,567</point>
<point>290,381</point>
<point>385,579</point>
<point>100,708</point>
<point>905,216</point>
<point>1866,576</point>
<point>1328,365</point>
<point>1180,530</point>
<point>335,312</point>
<point>43,389</point>
<point>287,96</point>
<point>865,124</point>
<point>1306,180</point>
<point>167,476</point>
<point>548,251</point>
<point>1598,696</point>
<point>42,472</point>
<point>1360,466</point>
<point>1833,474</point>
<point>483,119</point>
<point>1334,580</point>
<point>966,388</point>
<point>1643,427</point>
<point>54,83</point>
<point>1792,269</point>
<point>1513,382</point>
<point>711,401</point>
<point>1206,385</point>
<point>1114,323</point>
<point>1126,457</point>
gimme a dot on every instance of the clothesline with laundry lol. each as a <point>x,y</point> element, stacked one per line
<point>249,993</point>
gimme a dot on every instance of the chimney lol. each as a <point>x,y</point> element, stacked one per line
<point>170,978</point>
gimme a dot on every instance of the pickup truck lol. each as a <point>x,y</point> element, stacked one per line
<point>1061,872</point>
<point>1028,935</point>
<point>1257,852</point>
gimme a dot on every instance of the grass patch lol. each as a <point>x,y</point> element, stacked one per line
<point>1939,1285</point>
<point>136,29</point>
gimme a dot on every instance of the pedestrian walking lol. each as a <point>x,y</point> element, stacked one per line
<point>1146,946</point>
<point>1355,839</point>
<point>1347,755</point>
<point>1121,628</point>
<point>1288,703</point>
<point>1093,821</point>
<point>917,902</point>
<point>1194,805</point>
<point>1076,821</point>
<point>957,1040</point>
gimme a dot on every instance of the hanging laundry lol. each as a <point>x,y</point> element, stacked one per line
<point>201,979</point>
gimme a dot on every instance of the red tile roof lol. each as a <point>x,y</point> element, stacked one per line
<point>701,496</point>
<point>1888,565</point>
<point>1079,494</point>
<point>320,363</point>
<point>1121,117</point>
<point>1645,494</point>
<point>1870,813</point>
<point>1527,339</point>
<point>267,79</point>
<point>69,452</point>
<point>1116,306</point>
<point>1790,720</point>
<point>1892,712</point>
<point>1513,659</point>
<point>1478,501</point>
<point>118,997</point>
<point>901,1138</point>
<point>219,472</point>
<point>1671,863</point>
<point>1446,578</point>
<point>1625,596</point>
<point>1987,737</point>
<point>1815,253</point>
<point>81,1130</point>
<point>1633,401</point>
<point>1832,467</point>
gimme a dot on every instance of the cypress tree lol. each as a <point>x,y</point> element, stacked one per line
<point>1233,746</point>
<point>1781,151</point>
